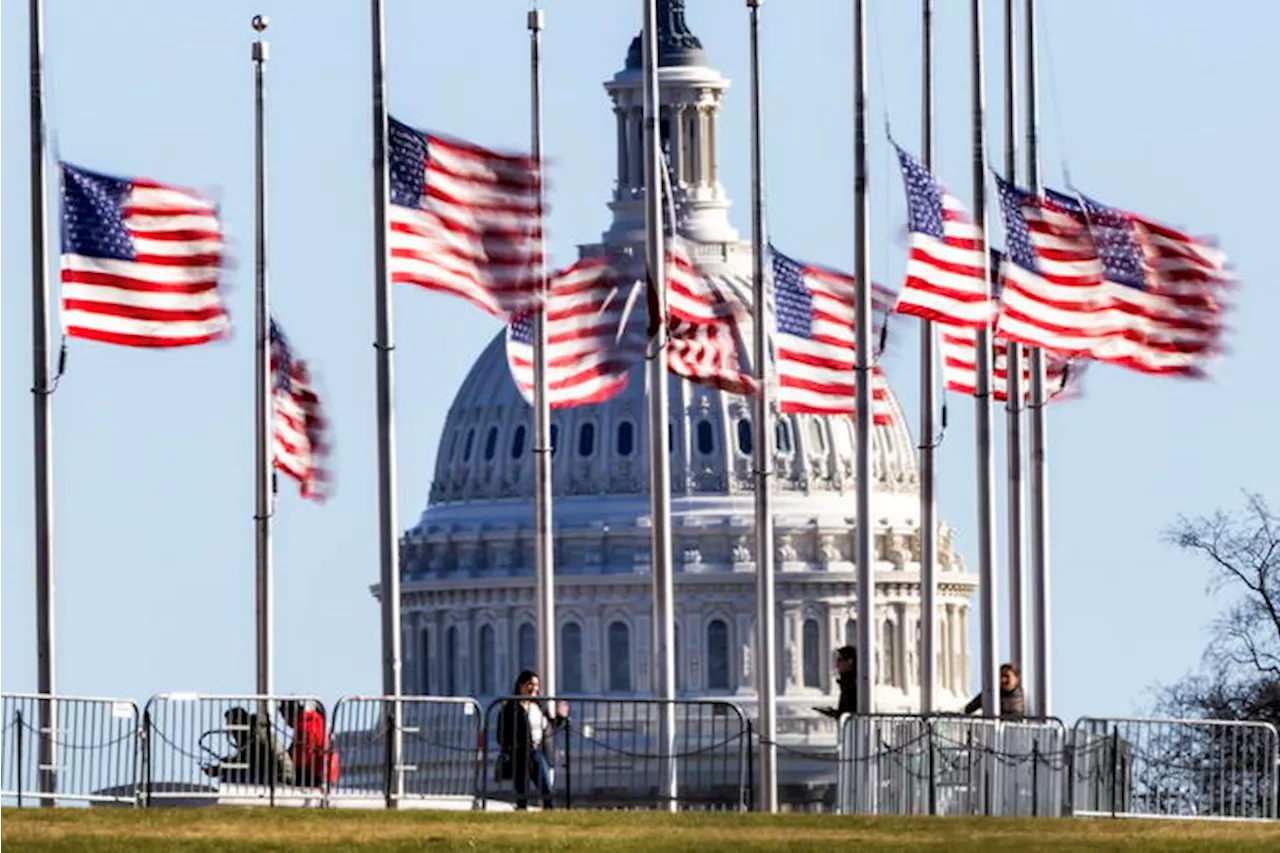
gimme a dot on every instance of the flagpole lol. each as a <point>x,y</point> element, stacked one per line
<point>388,540</point>
<point>766,623</point>
<point>46,684</point>
<point>262,408</point>
<point>1014,395</point>
<point>928,402</point>
<point>862,356</point>
<point>1042,682</point>
<point>659,452</point>
<point>986,475</point>
<point>544,545</point>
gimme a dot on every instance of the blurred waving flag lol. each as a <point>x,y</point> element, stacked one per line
<point>959,347</point>
<point>814,341</point>
<point>945,279</point>
<point>589,350</point>
<point>464,220</point>
<point>1087,279</point>
<point>703,326</point>
<point>300,446</point>
<point>140,262</point>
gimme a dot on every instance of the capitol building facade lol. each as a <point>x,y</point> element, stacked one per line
<point>467,591</point>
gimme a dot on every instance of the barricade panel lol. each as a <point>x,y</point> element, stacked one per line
<point>609,754</point>
<point>1126,766</point>
<point>64,749</point>
<point>238,750</point>
<point>950,765</point>
<point>439,750</point>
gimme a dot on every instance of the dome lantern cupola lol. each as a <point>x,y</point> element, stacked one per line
<point>689,115</point>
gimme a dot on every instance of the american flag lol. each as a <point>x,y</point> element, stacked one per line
<point>814,342</point>
<point>464,220</point>
<point>1173,316</point>
<point>140,262</point>
<point>300,445</point>
<point>1053,289</point>
<point>703,327</point>
<point>1092,280</point>
<point>959,346</point>
<point>589,351</point>
<point>945,279</point>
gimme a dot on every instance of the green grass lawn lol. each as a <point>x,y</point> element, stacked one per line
<point>295,829</point>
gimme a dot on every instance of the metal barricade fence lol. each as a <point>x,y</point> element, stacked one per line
<point>1130,766</point>
<point>232,749</point>
<point>951,765</point>
<point>93,745</point>
<point>608,754</point>
<point>439,750</point>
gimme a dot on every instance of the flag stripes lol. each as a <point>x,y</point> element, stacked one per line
<point>141,262</point>
<point>464,220</point>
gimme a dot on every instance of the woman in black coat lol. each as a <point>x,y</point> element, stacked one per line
<point>523,727</point>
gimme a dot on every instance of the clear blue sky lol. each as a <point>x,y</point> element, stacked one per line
<point>1169,109</point>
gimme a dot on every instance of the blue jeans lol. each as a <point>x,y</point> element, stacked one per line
<point>537,769</point>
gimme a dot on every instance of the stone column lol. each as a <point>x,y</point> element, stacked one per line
<point>677,144</point>
<point>698,178</point>
<point>713,156</point>
<point>635,150</point>
<point>621,113</point>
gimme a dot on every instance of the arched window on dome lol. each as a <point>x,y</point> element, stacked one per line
<point>466,447</point>
<point>487,661</point>
<point>851,633</point>
<point>626,438</point>
<point>745,437</point>
<point>706,437</point>
<point>815,433</point>
<point>517,442</point>
<point>718,669</point>
<point>451,661</point>
<point>491,444</point>
<point>586,440</point>
<point>671,437</point>
<point>679,656</point>
<point>783,435</point>
<point>555,438</point>
<point>424,685</point>
<point>888,653</point>
<point>619,658</point>
<point>812,653</point>
<point>571,658</point>
<point>527,647</point>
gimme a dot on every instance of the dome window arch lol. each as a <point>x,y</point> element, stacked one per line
<point>468,445</point>
<point>626,440</point>
<point>517,442</point>
<point>818,436</point>
<point>706,436</point>
<point>571,658</point>
<point>487,662</point>
<point>490,444</point>
<point>718,669</point>
<point>811,637</point>
<point>783,436</point>
<point>526,647</point>
<point>586,440</point>
<point>424,687</point>
<point>555,438</point>
<point>451,661</point>
<point>889,653</point>
<point>746,437</point>
<point>619,645</point>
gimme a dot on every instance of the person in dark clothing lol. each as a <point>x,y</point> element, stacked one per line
<point>259,759</point>
<point>847,678</point>
<point>523,727</point>
<point>1013,704</point>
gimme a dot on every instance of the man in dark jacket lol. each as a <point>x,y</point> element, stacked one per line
<point>847,678</point>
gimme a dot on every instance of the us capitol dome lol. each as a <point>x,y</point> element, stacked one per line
<point>467,593</point>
